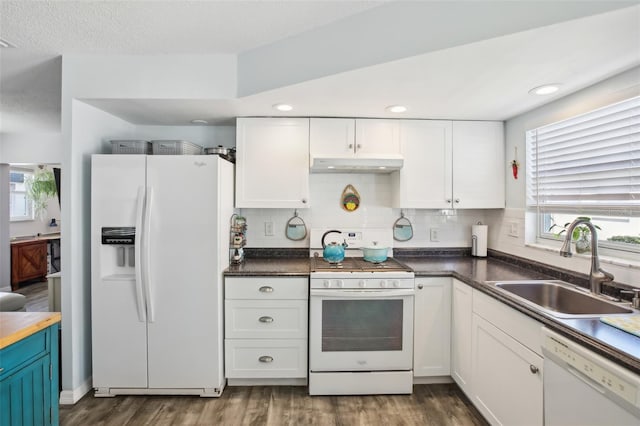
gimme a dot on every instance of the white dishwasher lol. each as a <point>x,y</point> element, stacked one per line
<point>582,388</point>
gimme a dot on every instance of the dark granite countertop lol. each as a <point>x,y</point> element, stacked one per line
<point>270,266</point>
<point>608,341</point>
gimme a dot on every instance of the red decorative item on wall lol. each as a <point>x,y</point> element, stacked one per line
<point>514,168</point>
<point>514,163</point>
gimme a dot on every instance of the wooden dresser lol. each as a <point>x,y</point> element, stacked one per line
<point>28,261</point>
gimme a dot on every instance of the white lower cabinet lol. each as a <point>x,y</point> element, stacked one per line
<point>461,326</point>
<point>506,363</point>
<point>266,328</point>
<point>507,377</point>
<point>431,327</point>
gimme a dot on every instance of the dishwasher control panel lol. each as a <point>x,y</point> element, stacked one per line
<point>601,372</point>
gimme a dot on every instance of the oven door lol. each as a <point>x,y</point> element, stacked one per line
<point>355,330</point>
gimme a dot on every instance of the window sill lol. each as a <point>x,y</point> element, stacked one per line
<point>618,261</point>
<point>21,219</point>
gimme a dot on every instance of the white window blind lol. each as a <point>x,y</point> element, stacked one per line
<point>587,164</point>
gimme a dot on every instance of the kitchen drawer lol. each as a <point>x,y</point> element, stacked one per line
<point>24,351</point>
<point>265,319</point>
<point>279,358</point>
<point>265,288</point>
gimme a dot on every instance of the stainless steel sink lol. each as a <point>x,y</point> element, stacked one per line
<point>560,299</point>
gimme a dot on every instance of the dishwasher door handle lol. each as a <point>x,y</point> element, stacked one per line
<point>587,381</point>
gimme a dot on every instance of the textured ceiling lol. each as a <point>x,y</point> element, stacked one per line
<point>486,75</point>
<point>163,27</point>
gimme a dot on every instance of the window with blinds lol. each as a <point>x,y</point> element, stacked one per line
<point>588,165</point>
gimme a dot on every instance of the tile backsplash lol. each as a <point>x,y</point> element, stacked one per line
<point>453,226</point>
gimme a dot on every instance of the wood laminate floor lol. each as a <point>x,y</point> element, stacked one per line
<point>437,405</point>
<point>37,295</point>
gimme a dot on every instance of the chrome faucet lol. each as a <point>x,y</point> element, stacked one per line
<point>596,276</point>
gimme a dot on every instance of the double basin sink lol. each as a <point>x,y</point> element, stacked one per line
<point>560,299</point>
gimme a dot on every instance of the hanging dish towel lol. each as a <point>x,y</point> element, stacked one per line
<point>629,324</point>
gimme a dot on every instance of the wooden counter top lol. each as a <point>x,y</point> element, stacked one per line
<point>15,326</point>
<point>19,240</point>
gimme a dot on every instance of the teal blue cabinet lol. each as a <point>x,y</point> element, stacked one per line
<point>29,380</point>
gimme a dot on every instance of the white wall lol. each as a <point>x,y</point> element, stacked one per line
<point>91,130</point>
<point>5,254</point>
<point>87,130</point>
<point>615,89</point>
<point>454,227</point>
<point>30,148</point>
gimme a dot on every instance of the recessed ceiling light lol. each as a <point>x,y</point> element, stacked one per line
<point>547,89</point>
<point>331,167</point>
<point>199,121</point>
<point>396,108</point>
<point>5,43</point>
<point>382,167</point>
<point>283,107</point>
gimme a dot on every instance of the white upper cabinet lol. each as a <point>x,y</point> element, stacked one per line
<point>332,137</point>
<point>377,138</point>
<point>478,164</point>
<point>425,178</point>
<point>450,164</point>
<point>272,163</point>
<point>354,138</point>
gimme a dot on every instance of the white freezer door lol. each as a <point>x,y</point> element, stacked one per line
<point>119,336</point>
<point>184,288</point>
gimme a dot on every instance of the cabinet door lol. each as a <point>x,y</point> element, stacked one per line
<point>431,327</point>
<point>377,138</point>
<point>425,178</point>
<point>478,164</point>
<point>507,377</point>
<point>332,137</point>
<point>272,164</point>
<point>28,261</point>
<point>25,397</point>
<point>462,305</point>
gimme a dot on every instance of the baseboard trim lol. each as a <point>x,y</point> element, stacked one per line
<point>432,380</point>
<point>70,397</point>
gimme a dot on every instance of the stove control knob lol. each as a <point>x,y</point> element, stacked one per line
<point>362,283</point>
<point>396,283</point>
<point>340,283</point>
<point>383,283</point>
<point>326,283</point>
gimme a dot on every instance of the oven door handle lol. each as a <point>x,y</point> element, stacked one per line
<point>360,294</point>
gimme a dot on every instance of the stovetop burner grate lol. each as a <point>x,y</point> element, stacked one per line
<point>356,264</point>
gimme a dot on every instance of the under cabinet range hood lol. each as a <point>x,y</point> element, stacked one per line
<point>356,165</point>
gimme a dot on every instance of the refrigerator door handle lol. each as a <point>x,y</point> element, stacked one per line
<point>145,249</point>
<point>142,316</point>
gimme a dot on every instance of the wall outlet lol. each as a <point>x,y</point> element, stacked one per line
<point>513,229</point>
<point>434,234</point>
<point>268,229</point>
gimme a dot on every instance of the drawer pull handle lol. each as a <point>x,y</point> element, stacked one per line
<point>533,369</point>
<point>265,359</point>
<point>266,289</point>
<point>265,319</point>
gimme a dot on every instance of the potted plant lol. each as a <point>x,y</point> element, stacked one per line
<point>40,187</point>
<point>581,234</point>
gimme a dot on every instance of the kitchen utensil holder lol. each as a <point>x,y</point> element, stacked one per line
<point>237,239</point>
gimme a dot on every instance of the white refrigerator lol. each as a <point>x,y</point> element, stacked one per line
<point>156,304</point>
